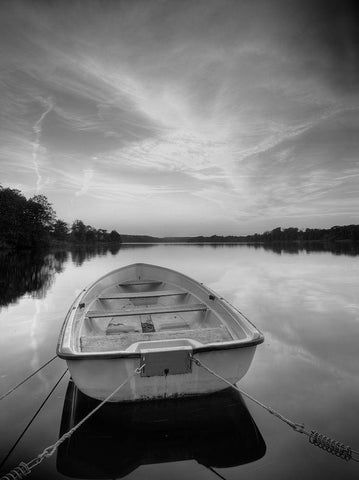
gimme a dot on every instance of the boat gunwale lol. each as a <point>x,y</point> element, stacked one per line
<point>252,340</point>
<point>123,354</point>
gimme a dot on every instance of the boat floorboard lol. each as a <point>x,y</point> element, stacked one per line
<point>120,342</point>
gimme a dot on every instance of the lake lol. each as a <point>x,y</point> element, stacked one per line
<point>306,303</point>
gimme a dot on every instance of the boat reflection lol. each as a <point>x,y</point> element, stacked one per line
<point>216,430</point>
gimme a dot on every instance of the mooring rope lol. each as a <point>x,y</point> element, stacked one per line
<point>32,419</point>
<point>315,438</point>
<point>211,469</point>
<point>24,469</point>
<point>27,378</point>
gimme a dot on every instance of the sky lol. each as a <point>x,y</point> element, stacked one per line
<point>188,117</point>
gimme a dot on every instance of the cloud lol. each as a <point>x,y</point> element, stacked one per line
<point>37,128</point>
<point>88,176</point>
<point>249,108</point>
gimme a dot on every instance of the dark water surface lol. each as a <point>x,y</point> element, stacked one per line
<point>305,303</point>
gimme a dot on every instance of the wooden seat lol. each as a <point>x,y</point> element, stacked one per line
<point>151,310</point>
<point>150,294</point>
<point>122,341</point>
<point>140,282</point>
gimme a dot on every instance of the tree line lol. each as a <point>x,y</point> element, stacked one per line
<point>29,223</point>
<point>345,233</point>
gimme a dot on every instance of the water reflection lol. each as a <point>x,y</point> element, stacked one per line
<point>339,248</point>
<point>33,272</point>
<point>28,273</point>
<point>215,430</point>
<point>308,309</point>
<point>82,253</point>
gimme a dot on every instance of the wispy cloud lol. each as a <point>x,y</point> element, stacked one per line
<point>37,128</point>
<point>88,176</point>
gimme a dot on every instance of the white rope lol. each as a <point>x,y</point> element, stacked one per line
<point>24,469</point>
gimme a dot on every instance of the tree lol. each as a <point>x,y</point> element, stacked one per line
<point>78,231</point>
<point>60,230</point>
<point>40,218</point>
<point>101,235</point>
<point>290,234</point>
<point>12,217</point>
<point>42,208</point>
<point>30,223</point>
<point>90,234</point>
<point>114,236</point>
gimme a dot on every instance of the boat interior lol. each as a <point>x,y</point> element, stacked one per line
<point>130,315</point>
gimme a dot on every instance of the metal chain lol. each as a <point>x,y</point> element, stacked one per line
<point>322,441</point>
<point>32,419</point>
<point>24,469</point>
<point>296,426</point>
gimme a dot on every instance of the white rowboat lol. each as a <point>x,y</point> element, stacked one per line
<point>152,317</point>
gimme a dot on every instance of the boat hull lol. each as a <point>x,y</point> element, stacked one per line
<point>155,318</point>
<point>99,377</point>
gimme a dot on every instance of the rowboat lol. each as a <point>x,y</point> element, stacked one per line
<point>123,437</point>
<point>155,320</point>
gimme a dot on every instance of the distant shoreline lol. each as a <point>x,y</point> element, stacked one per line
<point>291,235</point>
<point>339,247</point>
<point>66,244</point>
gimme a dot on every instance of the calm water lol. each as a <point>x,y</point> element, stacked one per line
<point>307,306</point>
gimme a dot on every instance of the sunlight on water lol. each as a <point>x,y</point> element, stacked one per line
<point>307,306</point>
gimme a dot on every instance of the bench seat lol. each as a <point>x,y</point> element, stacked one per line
<point>150,310</point>
<point>149,294</point>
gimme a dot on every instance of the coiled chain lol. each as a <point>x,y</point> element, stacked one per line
<point>331,446</point>
<point>17,473</point>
